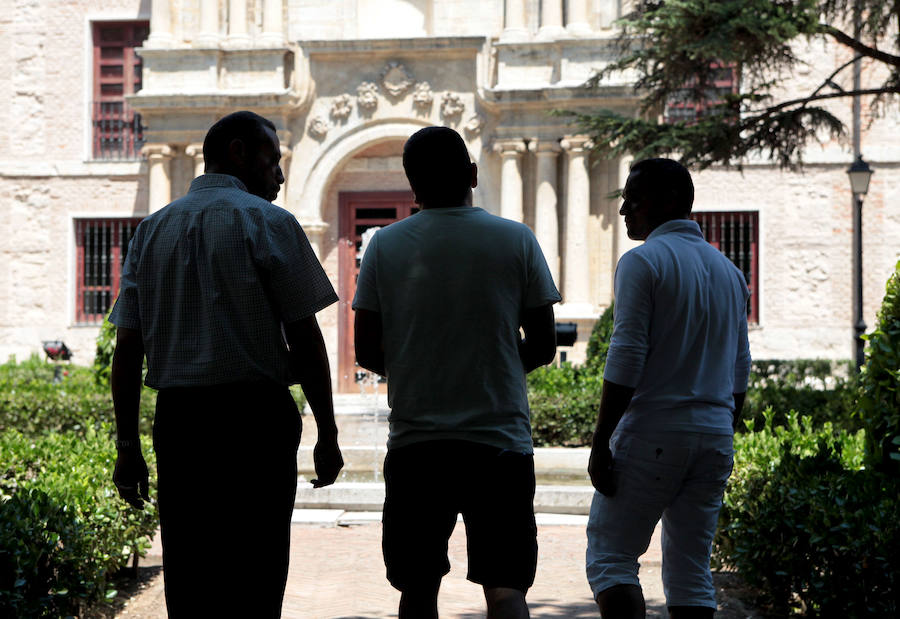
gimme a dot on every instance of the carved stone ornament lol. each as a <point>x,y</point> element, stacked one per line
<point>422,95</point>
<point>451,105</point>
<point>474,125</point>
<point>341,107</point>
<point>367,95</point>
<point>396,79</point>
<point>318,127</point>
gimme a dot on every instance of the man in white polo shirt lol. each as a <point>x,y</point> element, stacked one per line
<point>673,388</point>
<point>439,303</point>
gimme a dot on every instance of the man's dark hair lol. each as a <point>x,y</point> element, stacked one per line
<point>663,177</point>
<point>438,167</point>
<point>246,126</point>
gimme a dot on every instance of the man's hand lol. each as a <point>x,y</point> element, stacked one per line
<point>131,477</point>
<point>328,461</point>
<point>600,468</point>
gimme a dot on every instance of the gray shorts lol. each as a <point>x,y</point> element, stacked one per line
<point>679,477</point>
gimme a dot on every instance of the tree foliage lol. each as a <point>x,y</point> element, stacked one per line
<point>675,49</point>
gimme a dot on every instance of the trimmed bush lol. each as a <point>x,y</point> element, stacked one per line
<point>564,402</point>
<point>879,403</point>
<point>598,343</point>
<point>822,389</point>
<point>32,403</point>
<point>63,529</point>
<point>807,526</point>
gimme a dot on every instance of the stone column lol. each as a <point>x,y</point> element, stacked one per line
<point>159,158</point>
<point>209,24</point>
<point>273,31</point>
<point>609,12</point>
<point>623,243</point>
<point>160,24</point>
<point>576,259</point>
<point>551,20</point>
<point>515,27</point>
<point>315,232</point>
<point>195,152</point>
<point>237,23</point>
<point>511,178</point>
<point>546,214</point>
<point>577,22</point>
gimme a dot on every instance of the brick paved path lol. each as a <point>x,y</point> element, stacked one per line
<point>337,573</point>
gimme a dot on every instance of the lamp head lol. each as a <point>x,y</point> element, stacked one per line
<point>860,174</point>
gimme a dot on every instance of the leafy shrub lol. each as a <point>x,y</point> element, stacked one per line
<point>804,523</point>
<point>598,343</point>
<point>822,389</point>
<point>103,355</point>
<point>63,529</point>
<point>31,403</point>
<point>564,402</point>
<point>879,403</point>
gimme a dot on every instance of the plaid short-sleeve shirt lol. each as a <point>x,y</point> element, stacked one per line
<point>209,281</point>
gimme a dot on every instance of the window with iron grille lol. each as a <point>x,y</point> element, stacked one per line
<point>100,247</point>
<point>683,107</point>
<point>736,234</point>
<point>117,132</point>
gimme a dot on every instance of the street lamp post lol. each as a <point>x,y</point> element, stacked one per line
<point>860,174</point>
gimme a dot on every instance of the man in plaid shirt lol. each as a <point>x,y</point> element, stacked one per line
<point>220,290</point>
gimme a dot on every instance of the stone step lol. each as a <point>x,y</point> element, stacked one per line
<point>369,496</point>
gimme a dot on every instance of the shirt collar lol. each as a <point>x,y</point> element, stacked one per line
<point>217,180</point>
<point>677,225</point>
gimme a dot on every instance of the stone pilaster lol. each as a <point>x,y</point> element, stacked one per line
<point>546,202</point>
<point>237,24</point>
<point>551,20</point>
<point>578,23</point>
<point>315,232</point>
<point>273,28</point>
<point>159,161</point>
<point>515,26</point>
<point>608,12</point>
<point>160,24</point>
<point>576,257</point>
<point>195,152</point>
<point>208,36</point>
<point>510,152</point>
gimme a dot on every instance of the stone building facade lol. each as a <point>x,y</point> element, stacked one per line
<point>105,104</point>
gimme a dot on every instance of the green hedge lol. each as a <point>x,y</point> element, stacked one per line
<point>879,406</point>
<point>64,532</point>
<point>804,523</point>
<point>31,403</point>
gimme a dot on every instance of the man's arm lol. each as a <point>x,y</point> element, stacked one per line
<point>368,342</point>
<point>613,403</point>
<point>738,408</point>
<point>539,346</point>
<point>311,361</point>
<point>130,475</point>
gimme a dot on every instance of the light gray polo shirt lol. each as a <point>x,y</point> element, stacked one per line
<point>450,285</point>
<point>680,333</point>
<point>210,279</point>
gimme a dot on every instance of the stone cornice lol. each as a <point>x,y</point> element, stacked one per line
<point>379,48</point>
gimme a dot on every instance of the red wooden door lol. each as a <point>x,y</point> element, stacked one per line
<point>359,211</point>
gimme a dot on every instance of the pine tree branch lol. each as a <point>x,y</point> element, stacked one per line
<point>860,47</point>
<point>830,95</point>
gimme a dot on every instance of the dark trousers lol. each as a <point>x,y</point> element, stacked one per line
<point>227,478</point>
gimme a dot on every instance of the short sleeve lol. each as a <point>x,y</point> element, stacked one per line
<point>126,312</point>
<point>630,341</point>
<point>297,282</point>
<point>366,297</point>
<point>541,289</point>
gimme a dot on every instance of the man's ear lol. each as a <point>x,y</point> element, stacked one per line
<point>474,175</point>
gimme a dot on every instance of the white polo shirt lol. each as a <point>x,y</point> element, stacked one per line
<point>680,333</point>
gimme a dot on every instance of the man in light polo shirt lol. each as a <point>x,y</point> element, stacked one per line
<point>220,289</point>
<point>674,384</point>
<point>439,302</point>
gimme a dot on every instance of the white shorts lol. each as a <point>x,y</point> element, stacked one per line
<point>679,477</point>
